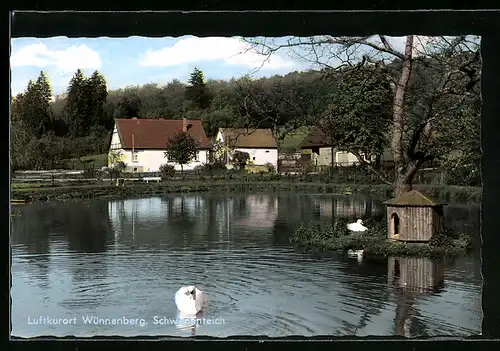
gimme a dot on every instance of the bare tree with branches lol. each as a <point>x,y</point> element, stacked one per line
<point>417,114</point>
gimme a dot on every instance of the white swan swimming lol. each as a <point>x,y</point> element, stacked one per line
<point>189,300</point>
<point>357,226</point>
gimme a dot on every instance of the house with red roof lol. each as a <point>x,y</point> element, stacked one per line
<point>141,143</point>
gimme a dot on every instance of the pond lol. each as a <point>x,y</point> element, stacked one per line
<point>102,267</point>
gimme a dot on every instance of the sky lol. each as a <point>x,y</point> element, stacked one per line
<point>140,60</point>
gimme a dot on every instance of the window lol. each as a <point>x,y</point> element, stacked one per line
<point>395,224</point>
<point>267,151</point>
<point>197,156</point>
<point>135,169</point>
<point>253,158</point>
<point>134,157</point>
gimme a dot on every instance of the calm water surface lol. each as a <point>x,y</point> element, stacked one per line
<point>126,259</point>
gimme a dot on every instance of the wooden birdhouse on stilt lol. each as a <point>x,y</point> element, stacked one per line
<point>414,217</point>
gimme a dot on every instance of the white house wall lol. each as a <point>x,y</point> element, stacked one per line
<point>219,137</point>
<point>261,156</point>
<point>151,160</point>
<point>339,157</point>
<point>345,158</point>
<point>324,157</point>
<point>115,140</point>
<point>258,156</point>
<point>115,145</point>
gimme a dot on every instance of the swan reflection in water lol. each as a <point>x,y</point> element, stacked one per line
<point>190,323</point>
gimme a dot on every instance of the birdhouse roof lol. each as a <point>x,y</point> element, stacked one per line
<point>413,198</point>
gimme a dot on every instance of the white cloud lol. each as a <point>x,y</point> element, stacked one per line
<point>74,57</point>
<point>232,51</point>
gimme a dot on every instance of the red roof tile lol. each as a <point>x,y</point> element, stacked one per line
<point>155,133</point>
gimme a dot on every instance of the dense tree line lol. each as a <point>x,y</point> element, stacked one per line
<point>78,122</point>
<point>354,105</point>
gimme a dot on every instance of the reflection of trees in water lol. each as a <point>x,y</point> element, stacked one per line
<point>296,208</point>
<point>89,229</point>
<point>289,215</point>
<point>34,225</point>
<point>349,207</point>
<point>83,226</point>
<point>173,220</point>
<point>183,219</point>
<point>89,232</point>
<point>465,269</point>
<point>35,243</point>
<point>25,233</point>
<point>213,218</point>
<point>363,281</point>
<point>464,218</point>
<point>411,278</point>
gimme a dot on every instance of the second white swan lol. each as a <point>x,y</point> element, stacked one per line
<point>357,226</point>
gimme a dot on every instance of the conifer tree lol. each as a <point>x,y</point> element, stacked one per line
<point>98,94</point>
<point>33,107</point>
<point>76,108</point>
<point>197,91</point>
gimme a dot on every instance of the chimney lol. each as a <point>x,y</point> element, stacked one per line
<point>184,125</point>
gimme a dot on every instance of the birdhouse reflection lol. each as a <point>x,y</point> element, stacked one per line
<point>410,278</point>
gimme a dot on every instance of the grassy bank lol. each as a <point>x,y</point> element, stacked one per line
<point>374,241</point>
<point>87,189</point>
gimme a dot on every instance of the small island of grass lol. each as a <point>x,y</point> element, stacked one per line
<point>375,243</point>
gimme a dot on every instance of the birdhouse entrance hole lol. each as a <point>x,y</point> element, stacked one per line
<point>395,224</point>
